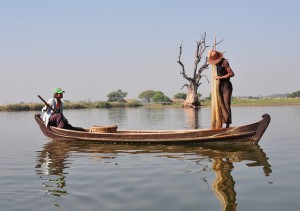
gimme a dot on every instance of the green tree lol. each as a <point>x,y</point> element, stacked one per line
<point>147,95</point>
<point>160,97</point>
<point>180,96</point>
<point>294,94</point>
<point>116,96</point>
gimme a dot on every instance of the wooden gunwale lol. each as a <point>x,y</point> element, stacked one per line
<point>247,133</point>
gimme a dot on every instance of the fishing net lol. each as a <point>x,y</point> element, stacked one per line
<point>219,114</point>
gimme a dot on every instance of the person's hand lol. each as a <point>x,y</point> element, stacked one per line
<point>217,77</point>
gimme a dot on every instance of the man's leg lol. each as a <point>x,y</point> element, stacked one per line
<point>57,120</point>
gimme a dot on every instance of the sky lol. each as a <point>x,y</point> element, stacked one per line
<point>90,48</point>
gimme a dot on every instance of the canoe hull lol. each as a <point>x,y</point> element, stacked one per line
<point>247,133</point>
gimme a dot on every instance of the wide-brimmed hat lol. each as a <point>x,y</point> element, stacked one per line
<point>214,57</point>
<point>58,91</point>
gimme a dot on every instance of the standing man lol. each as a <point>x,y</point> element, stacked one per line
<point>56,118</point>
<point>222,73</point>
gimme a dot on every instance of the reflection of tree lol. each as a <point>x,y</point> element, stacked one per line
<point>53,161</point>
<point>192,117</point>
<point>117,115</point>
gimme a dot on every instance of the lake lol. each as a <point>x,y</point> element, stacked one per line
<point>41,174</point>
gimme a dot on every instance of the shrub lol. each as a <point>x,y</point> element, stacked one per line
<point>103,105</point>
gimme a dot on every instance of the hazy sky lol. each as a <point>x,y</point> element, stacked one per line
<point>93,47</point>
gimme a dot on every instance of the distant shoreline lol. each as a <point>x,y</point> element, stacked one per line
<point>134,103</point>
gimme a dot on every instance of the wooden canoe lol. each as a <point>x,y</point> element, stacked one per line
<point>246,133</point>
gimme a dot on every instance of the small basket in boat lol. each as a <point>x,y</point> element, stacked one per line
<point>104,129</point>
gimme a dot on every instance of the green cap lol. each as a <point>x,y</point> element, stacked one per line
<point>58,91</point>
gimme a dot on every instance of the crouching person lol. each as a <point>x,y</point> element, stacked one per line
<point>53,111</point>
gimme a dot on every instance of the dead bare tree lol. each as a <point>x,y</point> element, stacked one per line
<point>192,99</point>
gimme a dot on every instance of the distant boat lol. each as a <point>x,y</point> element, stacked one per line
<point>246,133</point>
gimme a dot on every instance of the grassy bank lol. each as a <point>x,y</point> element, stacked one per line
<point>134,103</point>
<point>266,102</point>
<point>260,102</point>
<point>70,105</point>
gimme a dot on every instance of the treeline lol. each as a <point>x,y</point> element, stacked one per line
<point>70,105</point>
<point>294,94</point>
<point>114,99</point>
<point>150,97</point>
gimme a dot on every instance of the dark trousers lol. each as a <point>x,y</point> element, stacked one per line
<point>58,120</point>
<point>226,92</point>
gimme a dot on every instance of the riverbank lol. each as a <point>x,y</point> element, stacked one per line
<point>70,105</point>
<point>266,102</point>
<point>135,103</point>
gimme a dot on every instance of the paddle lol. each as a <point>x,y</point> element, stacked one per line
<point>47,104</point>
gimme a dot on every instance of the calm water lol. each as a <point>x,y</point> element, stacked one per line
<point>40,174</point>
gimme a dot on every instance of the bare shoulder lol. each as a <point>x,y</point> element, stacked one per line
<point>225,63</point>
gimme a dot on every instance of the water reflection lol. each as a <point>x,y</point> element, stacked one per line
<point>192,117</point>
<point>117,116</point>
<point>223,185</point>
<point>52,162</point>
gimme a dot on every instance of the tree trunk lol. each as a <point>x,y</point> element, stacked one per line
<point>192,99</point>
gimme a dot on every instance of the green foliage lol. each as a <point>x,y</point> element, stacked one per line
<point>103,105</point>
<point>208,98</point>
<point>157,97</point>
<point>253,98</point>
<point>180,96</point>
<point>154,96</point>
<point>294,94</point>
<point>116,96</point>
<point>147,95</point>
<point>160,97</point>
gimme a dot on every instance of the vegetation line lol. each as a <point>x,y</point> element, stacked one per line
<point>134,103</point>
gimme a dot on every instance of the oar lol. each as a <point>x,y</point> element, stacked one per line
<point>47,104</point>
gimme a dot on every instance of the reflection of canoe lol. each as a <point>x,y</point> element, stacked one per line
<point>247,133</point>
<point>56,157</point>
<point>55,153</point>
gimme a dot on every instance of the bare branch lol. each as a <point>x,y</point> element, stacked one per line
<point>206,78</point>
<point>184,86</point>
<point>200,50</point>
<point>180,52</point>
<point>217,43</point>
<point>203,67</point>
<point>181,64</point>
